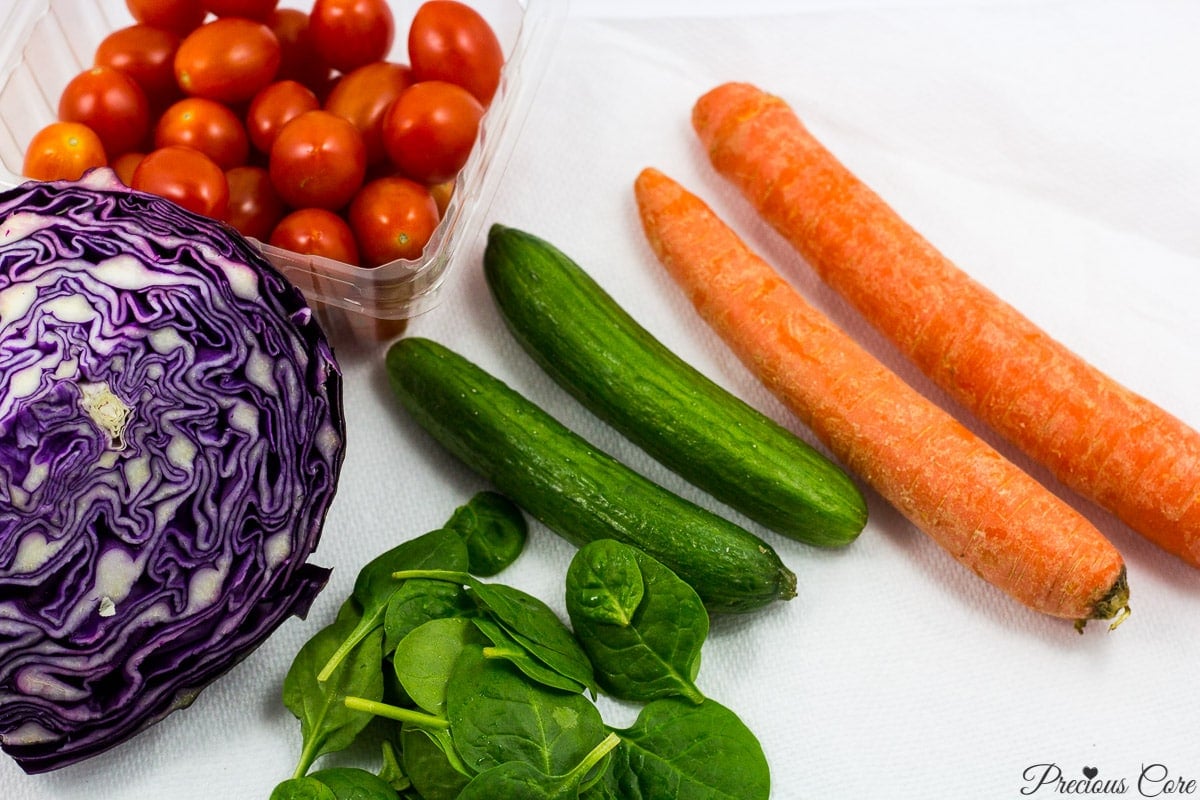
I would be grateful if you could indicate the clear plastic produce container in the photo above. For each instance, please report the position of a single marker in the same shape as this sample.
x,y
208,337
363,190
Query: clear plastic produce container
x,y
45,43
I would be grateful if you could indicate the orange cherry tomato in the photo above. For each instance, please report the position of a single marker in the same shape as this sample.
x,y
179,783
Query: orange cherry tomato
x,y
186,177
146,54
125,164
180,16
316,232
450,41
254,205
429,131
207,126
229,59
349,33
110,103
363,95
318,160
275,106
63,151
392,218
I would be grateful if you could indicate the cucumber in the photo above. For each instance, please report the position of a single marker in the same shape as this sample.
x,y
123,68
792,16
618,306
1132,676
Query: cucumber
x,y
576,490
596,351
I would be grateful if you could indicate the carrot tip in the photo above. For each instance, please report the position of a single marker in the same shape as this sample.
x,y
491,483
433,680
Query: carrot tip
x,y
1114,605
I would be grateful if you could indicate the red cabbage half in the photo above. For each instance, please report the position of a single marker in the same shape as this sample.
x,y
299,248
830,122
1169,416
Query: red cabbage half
x,y
171,435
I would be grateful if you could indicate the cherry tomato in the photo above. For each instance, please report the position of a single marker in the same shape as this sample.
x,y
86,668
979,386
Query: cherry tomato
x,y
349,33
316,232
63,151
442,192
298,58
125,164
363,96
228,59
207,126
180,16
392,218
254,205
449,41
318,160
111,104
147,55
249,9
430,129
275,106
186,177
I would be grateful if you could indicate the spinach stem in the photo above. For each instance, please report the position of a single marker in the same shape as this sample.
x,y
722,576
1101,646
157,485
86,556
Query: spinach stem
x,y
448,575
397,713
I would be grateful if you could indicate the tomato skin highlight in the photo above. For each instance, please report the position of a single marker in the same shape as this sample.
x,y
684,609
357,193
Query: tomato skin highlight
x,y
207,126
110,103
185,176
63,151
146,54
229,60
430,130
347,34
450,41
316,232
318,160
392,218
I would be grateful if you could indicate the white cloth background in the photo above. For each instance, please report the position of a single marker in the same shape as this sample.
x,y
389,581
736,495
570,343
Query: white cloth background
x,y
1053,150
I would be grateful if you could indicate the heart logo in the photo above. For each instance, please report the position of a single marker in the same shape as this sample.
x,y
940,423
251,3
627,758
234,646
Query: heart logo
x,y
1090,772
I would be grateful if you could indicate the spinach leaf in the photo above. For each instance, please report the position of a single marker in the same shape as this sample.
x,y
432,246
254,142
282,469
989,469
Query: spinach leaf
x,y
494,530
678,749
424,658
374,585
429,765
352,783
657,652
497,715
519,780
506,647
326,724
391,771
419,600
302,789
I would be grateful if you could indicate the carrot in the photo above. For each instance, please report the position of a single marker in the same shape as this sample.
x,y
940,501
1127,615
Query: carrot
x,y
980,507
1097,437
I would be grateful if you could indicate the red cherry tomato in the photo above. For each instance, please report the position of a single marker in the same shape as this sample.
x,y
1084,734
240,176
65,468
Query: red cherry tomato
x,y
249,9
180,16
111,104
186,177
125,164
275,106
207,126
316,232
228,59
318,160
63,151
392,218
254,205
147,55
449,41
363,96
429,131
298,59
349,33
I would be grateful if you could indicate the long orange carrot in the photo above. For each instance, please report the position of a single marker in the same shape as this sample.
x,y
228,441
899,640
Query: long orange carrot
x,y
1096,436
985,511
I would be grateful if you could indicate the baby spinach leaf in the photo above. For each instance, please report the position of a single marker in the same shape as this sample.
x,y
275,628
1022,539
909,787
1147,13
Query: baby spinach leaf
x,y
505,646
497,715
424,658
494,530
519,780
326,724
419,600
604,583
657,652
374,585
391,771
302,789
352,783
678,749
428,766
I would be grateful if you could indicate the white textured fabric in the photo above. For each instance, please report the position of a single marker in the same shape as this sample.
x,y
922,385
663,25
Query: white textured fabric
x,y
1053,150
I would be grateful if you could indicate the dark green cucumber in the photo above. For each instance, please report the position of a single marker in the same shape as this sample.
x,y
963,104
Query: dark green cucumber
x,y
578,491
596,351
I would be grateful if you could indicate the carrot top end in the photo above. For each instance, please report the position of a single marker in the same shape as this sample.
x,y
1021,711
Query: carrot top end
x,y
1114,605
